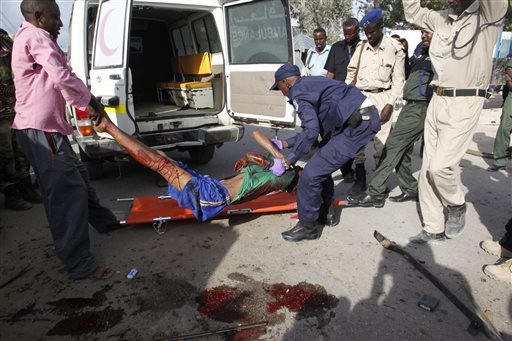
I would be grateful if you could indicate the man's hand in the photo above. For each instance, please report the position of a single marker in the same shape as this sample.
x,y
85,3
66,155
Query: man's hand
x,y
385,114
97,114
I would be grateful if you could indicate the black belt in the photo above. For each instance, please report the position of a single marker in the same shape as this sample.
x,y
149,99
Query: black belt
x,y
440,91
375,91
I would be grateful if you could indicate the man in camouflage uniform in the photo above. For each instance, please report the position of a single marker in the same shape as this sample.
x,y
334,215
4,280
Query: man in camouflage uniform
x,y
15,180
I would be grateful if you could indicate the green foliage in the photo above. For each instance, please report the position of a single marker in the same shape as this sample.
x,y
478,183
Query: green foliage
x,y
394,11
328,14
508,19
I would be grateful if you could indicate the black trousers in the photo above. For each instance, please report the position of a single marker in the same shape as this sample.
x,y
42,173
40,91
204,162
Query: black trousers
x,y
506,240
68,197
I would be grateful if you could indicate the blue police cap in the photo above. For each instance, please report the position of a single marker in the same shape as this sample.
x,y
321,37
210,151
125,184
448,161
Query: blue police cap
x,y
371,18
285,71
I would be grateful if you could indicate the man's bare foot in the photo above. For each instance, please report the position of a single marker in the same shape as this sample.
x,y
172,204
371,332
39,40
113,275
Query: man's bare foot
x,y
101,272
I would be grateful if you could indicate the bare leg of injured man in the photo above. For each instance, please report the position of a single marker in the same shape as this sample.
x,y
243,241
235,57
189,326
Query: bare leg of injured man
x,y
206,197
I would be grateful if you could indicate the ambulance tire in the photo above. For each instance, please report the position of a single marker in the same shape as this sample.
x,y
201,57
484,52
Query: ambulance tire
x,y
201,155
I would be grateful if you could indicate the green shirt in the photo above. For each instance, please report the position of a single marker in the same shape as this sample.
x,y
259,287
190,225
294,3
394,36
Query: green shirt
x,y
259,181
416,87
508,100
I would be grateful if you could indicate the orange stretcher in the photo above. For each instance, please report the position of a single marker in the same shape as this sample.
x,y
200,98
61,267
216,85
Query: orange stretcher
x,y
153,209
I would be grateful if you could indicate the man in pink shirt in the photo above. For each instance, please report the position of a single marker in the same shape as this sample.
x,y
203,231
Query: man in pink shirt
x,y
44,82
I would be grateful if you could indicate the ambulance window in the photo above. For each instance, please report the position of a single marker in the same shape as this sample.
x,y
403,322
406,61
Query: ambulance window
x,y
213,34
258,33
201,36
178,43
91,25
187,40
110,40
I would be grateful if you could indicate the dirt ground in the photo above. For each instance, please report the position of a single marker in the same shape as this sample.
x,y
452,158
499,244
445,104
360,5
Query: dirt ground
x,y
203,278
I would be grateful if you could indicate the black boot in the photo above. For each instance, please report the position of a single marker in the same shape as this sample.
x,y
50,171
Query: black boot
x,y
28,192
328,215
366,200
304,230
14,200
360,185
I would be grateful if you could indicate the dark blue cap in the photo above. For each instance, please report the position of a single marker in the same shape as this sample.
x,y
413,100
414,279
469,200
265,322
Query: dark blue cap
x,y
285,71
371,18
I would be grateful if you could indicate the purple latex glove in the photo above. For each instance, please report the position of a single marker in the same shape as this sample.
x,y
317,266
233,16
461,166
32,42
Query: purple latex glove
x,y
277,143
278,167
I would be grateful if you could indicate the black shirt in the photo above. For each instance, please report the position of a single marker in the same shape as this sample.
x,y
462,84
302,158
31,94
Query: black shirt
x,y
338,59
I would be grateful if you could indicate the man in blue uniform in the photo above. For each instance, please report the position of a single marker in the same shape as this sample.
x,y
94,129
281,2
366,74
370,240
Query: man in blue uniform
x,y
345,119
336,66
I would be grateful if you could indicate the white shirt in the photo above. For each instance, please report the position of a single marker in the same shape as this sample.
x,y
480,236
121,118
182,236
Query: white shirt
x,y
315,62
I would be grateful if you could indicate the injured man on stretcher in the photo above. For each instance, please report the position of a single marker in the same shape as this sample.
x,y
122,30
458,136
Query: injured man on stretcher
x,y
207,197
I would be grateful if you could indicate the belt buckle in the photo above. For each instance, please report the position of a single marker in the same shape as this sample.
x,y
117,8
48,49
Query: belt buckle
x,y
439,91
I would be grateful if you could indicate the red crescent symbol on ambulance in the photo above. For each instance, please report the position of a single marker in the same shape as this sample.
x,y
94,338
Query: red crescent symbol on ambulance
x,y
107,51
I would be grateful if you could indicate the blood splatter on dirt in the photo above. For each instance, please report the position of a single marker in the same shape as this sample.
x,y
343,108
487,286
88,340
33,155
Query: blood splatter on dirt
x,y
88,322
252,301
67,306
304,298
222,303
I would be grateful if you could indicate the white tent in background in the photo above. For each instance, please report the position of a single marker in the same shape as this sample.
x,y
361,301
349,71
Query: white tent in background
x,y
302,43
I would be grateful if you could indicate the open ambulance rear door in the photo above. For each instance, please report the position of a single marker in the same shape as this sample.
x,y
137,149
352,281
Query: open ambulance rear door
x,y
259,39
109,75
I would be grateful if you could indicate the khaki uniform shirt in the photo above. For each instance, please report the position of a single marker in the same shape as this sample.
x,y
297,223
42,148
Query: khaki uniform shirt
x,y
460,58
381,68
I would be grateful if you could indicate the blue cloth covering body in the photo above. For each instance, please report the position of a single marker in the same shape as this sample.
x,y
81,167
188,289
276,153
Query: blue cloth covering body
x,y
205,196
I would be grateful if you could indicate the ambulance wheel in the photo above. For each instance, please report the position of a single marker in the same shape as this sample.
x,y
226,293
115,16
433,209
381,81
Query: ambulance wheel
x,y
201,155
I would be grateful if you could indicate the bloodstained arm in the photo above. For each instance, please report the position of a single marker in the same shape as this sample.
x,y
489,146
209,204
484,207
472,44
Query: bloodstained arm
x,y
256,158
264,142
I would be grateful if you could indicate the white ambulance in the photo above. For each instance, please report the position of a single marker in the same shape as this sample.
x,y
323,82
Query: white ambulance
x,y
182,75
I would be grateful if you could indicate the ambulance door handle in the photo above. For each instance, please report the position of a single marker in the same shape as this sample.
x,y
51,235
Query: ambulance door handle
x,y
110,101
115,77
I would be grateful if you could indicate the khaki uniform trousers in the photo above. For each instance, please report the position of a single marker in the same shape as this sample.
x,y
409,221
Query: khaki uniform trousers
x,y
449,127
379,99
